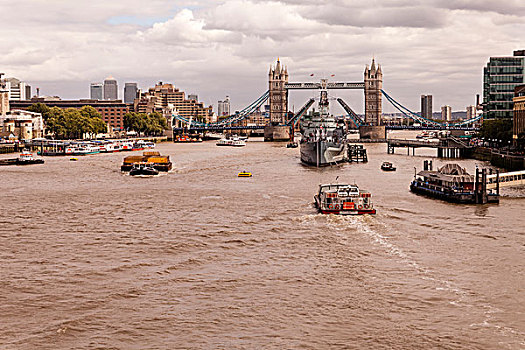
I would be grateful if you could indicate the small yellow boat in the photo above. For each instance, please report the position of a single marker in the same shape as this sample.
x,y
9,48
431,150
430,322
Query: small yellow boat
x,y
73,159
244,174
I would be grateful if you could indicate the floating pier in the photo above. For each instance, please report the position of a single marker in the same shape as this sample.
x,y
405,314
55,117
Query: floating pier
x,y
356,153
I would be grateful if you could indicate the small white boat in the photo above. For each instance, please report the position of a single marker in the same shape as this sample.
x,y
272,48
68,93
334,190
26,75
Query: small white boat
x,y
234,141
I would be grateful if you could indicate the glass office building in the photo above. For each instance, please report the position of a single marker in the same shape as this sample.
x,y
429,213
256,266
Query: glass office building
x,y
500,77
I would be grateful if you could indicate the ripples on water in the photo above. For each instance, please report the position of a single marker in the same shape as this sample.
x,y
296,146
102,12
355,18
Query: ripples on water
x,y
201,259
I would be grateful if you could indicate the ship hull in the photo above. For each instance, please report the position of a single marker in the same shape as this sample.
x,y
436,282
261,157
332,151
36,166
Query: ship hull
x,y
322,153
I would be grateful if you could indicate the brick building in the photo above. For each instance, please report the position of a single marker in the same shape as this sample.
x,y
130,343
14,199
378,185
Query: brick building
x,y
112,112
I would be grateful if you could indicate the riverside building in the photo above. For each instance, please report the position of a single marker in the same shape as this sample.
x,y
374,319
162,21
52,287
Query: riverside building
x,y
500,77
518,120
158,98
24,125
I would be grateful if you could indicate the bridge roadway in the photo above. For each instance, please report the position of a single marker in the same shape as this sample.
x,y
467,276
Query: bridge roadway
x,y
313,86
514,178
220,128
261,127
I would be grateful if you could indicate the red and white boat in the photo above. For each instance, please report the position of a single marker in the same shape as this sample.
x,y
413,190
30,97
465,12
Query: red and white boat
x,y
343,199
127,146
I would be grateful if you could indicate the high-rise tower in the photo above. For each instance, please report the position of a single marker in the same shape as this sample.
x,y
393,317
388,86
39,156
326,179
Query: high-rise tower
x,y
426,106
131,92
96,91
278,95
500,77
110,89
373,95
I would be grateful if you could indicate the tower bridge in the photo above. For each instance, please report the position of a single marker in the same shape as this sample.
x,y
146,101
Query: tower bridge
x,y
280,121
279,88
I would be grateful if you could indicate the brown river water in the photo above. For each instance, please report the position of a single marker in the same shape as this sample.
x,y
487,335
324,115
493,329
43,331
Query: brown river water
x,y
200,259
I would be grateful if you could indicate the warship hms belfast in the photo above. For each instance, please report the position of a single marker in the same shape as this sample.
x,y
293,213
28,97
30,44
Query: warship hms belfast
x,y
323,139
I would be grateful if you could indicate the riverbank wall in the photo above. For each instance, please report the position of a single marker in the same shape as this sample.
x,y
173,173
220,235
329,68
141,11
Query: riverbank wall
x,y
500,159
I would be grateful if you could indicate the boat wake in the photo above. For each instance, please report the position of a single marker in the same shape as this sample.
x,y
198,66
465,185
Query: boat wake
x,y
463,296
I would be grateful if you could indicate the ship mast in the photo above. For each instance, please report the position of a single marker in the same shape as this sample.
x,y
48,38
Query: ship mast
x,y
323,101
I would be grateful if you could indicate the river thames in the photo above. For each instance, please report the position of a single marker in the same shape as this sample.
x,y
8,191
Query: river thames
x,y
201,259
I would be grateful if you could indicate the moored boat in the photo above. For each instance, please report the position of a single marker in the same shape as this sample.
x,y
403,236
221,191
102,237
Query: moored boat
x,y
187,138
343,199
452,183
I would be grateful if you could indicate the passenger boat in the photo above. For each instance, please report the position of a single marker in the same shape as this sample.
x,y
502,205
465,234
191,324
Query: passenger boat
x,y
212,136
81,149
452,183
109,147
144,169
233,141
244,174
343,199
25,158
127,146
387,166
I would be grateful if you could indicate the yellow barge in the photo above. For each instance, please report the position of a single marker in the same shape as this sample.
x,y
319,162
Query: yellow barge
x,y
152,158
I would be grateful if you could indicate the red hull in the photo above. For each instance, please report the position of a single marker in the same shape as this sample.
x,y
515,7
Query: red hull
x,y
349,212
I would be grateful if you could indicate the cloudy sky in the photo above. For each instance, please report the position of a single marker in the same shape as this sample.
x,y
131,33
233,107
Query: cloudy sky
x,y
216,48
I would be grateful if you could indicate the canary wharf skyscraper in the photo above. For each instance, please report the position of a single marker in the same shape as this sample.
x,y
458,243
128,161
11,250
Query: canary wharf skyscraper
x,y
110,89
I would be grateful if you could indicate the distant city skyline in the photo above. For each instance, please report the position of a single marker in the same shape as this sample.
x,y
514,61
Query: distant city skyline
x,y
425,47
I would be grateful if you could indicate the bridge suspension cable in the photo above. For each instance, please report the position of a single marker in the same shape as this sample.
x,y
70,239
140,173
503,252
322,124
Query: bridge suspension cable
x,y
243,114
416,117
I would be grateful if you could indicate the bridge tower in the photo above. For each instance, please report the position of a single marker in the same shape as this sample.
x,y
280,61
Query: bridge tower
x,y
278,94
373,95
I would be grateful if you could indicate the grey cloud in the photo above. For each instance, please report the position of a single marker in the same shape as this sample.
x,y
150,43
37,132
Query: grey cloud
x,y
410,16
507,7
226,47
